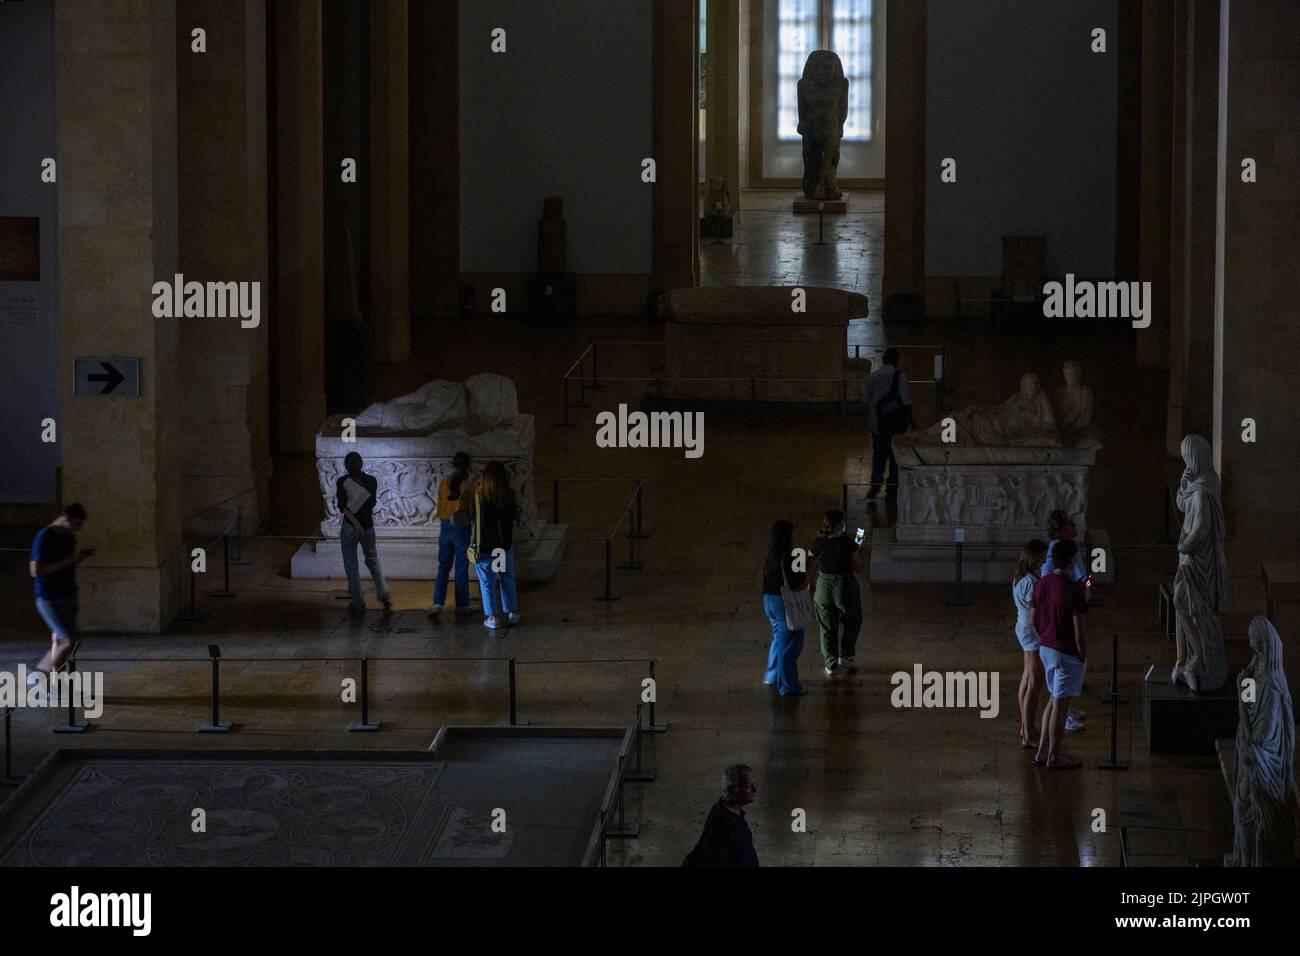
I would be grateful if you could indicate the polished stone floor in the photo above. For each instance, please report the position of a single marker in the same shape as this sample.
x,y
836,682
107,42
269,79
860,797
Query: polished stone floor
x,y
879,785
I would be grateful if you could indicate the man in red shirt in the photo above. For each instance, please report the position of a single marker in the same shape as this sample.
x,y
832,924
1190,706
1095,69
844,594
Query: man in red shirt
x,y
1057,607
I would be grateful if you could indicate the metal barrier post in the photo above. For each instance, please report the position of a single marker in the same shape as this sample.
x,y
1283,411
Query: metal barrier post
x,y
638,775
609,594
958,599
193,613
565,405
640,528
652,727
595,378
1113,762
239,560
225,592
555,501
72,726
844,498
216,725
364,724
623,831
582,383
9,748
631,563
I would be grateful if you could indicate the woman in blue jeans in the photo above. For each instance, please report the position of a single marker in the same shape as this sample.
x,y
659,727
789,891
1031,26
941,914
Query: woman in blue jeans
x,y
453,537
778,569
493,512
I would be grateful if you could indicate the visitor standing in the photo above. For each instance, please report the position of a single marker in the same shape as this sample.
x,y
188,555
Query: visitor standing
x,y
54,572
889,413
493,511
1061,527
453,536
1031,678
727,839
355,494
836,559
787,643
1058,608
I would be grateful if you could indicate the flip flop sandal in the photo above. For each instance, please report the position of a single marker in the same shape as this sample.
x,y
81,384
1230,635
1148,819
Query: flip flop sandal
x,y
1036,762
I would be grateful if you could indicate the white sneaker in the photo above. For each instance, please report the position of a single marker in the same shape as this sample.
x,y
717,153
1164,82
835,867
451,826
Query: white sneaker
x,y
1079,715
1072,726
490,624
847,664
512,618
435,610
831,667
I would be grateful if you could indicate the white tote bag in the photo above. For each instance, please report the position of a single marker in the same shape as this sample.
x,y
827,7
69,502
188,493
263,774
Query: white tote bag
x,y
798,607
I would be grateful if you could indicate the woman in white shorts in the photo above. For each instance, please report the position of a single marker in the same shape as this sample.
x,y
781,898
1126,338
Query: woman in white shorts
x,y
1031,678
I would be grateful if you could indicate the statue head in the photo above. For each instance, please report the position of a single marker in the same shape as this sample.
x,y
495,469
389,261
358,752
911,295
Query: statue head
x,y
824,68
1029,384
1197,456
1073,372
1266,644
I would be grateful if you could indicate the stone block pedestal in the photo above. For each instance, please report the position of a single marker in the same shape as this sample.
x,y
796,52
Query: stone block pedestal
x,y
1179,721
893,562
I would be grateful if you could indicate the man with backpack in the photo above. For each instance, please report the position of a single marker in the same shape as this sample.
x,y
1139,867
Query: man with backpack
x,y
889,407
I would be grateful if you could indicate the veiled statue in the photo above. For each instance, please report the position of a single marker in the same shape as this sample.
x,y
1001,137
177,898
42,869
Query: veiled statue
x,y
823,93
1201,582
1073,406
1263,804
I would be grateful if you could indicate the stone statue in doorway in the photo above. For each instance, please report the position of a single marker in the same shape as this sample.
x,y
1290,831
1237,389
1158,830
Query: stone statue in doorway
x,y
823,107
1201,582
552,240
1263,802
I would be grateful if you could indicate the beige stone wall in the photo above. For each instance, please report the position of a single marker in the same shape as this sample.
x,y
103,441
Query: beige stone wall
x,y
221,146
116,120
1256,372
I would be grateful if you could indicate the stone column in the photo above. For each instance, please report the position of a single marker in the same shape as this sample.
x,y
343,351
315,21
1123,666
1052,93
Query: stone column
x,y
1256,372
1157,160
222,197
722,138
1201,198
904,149
1128,139
435,159
1178,276
676,143
390,194
115,100
300,225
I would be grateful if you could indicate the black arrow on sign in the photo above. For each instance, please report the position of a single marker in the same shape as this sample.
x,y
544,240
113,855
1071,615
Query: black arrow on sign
x,y
112,379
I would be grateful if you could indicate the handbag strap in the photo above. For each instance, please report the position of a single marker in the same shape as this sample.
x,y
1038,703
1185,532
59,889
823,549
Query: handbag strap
x,y
478,521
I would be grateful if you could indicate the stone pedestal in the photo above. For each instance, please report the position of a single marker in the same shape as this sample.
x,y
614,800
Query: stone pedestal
x,y
894,562
1179,721
801,205
746,343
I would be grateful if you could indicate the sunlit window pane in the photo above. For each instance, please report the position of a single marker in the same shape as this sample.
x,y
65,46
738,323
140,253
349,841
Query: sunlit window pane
x,y
851,39
796,37
798,32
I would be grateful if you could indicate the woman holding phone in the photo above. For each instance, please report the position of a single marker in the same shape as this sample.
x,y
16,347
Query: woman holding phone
x,y
779,570
836,559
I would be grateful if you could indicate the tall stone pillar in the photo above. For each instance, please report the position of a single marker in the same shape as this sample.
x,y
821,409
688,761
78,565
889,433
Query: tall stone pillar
x,y
676,143
389,172
1178,277
300,225
1157,160
1256,373
722,101
1202,149
905,149
222,197
435,159
115,100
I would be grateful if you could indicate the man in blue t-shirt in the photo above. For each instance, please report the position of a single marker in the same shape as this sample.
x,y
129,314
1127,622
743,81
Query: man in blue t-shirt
x,y
54,571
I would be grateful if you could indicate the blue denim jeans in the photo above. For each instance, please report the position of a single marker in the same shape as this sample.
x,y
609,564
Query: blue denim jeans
x,y
488,581
783,655
452,542
349,539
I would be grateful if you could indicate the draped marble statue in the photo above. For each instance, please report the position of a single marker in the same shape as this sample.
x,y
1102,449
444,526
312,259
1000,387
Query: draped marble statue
x,y
823,94
1201,582
1263,805
1025,419
1073,403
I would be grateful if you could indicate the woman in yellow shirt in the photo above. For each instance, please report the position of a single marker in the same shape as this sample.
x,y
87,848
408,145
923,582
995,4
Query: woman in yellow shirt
x,y
453,538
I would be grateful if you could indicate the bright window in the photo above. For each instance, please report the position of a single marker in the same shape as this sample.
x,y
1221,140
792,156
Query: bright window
x,y
843,26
